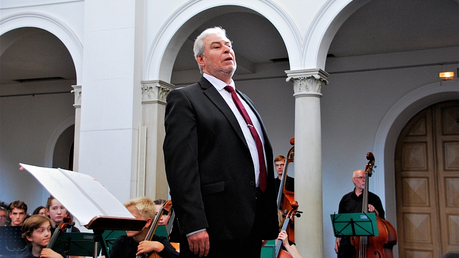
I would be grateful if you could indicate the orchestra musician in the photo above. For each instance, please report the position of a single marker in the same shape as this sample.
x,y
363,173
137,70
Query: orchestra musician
x,y
37,231
134,243
352,203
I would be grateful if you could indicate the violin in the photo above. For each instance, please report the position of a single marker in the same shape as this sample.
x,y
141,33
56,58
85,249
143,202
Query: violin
x,y
149,237
374,246
66,223
280,253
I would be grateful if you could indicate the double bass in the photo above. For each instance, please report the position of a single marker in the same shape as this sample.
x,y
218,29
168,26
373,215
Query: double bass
x,y
374,246
285,197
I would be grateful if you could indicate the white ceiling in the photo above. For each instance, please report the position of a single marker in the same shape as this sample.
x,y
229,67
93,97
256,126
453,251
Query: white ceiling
x,y
381,26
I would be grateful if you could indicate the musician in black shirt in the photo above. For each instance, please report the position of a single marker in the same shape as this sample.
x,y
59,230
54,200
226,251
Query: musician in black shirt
x,y
352,203
133,243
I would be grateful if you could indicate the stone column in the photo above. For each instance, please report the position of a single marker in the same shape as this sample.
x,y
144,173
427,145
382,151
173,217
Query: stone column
x,y
308,160
76,141
151,178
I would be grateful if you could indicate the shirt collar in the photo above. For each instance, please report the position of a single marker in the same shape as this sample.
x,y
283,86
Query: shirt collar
x,y
217,83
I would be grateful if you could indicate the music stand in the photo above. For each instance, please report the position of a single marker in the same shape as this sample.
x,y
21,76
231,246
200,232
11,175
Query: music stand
x,y
354,224
101,223
76,243
11,241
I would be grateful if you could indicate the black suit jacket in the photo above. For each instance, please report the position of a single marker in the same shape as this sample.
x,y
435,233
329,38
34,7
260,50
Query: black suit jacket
x,y
210,170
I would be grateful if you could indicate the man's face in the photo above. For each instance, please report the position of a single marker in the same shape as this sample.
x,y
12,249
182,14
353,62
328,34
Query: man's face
x,y
3,217
218,58
17,217
279,167
359,179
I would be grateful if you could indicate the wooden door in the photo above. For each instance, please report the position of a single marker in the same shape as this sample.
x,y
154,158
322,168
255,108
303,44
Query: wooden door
x,y
427,183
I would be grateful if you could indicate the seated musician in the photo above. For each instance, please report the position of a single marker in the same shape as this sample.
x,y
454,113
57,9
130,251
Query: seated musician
x,y
133,243
287,245
352,203
57,212
17,211
37,231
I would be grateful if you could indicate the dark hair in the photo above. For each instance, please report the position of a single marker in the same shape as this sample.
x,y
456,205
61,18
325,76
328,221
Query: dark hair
x,y
37,210
18,205
33,223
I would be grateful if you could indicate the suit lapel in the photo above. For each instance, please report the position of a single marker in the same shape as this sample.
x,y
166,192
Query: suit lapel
x,y
215,97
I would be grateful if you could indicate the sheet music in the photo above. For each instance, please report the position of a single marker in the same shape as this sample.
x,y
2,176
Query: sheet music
x,y
82,195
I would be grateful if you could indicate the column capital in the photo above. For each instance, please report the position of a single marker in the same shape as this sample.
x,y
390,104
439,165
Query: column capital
x,y
77,92
155,91
307,81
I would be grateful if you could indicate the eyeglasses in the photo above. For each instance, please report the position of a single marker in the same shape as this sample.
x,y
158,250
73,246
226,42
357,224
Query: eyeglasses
x,y
3,216
360,177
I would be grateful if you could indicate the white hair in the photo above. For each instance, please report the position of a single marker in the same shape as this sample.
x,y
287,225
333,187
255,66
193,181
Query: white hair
x,y
198,48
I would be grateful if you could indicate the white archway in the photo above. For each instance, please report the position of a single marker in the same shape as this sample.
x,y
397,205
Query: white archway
x,y
165,47
52,25
54,137
390,128
323,30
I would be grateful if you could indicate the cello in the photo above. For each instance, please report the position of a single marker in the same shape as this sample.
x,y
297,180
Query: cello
x,y
66,223
279,253
149,237
374,246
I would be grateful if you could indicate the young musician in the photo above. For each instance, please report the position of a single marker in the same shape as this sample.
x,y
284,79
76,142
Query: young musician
x,y
18,213
133,243
37,231
57,212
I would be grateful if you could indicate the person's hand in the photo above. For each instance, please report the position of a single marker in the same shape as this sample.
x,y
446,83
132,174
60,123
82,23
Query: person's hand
x,y
149,246
337,244
49,253
284,237
371,208
199,243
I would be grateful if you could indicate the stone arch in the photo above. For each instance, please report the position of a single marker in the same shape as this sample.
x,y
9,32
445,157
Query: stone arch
x,y
390,128
323,30
53,26
54,137
165,47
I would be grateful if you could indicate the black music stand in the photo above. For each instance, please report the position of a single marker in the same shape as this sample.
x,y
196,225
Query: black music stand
x,y
101,223
354,224
11,241
75,243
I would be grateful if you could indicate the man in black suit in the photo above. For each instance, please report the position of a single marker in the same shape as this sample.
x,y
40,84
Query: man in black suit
x,y
212,163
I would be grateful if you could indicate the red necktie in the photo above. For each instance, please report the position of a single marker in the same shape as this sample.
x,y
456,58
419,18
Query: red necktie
x,y
256,137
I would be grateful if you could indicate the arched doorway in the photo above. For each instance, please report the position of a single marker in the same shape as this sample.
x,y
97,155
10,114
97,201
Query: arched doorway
x,y
427,182
63,150
35,82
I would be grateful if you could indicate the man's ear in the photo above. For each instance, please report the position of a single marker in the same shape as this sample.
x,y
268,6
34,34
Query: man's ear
x,y
200,60
29,238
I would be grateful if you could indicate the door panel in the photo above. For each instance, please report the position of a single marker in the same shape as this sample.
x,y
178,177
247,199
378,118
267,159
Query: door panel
x,y
427,182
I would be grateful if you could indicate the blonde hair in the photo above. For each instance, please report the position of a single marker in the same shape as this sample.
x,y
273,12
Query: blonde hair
x,y
144,205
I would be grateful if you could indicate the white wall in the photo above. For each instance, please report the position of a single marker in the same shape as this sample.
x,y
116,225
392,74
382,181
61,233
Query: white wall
x,y
28,126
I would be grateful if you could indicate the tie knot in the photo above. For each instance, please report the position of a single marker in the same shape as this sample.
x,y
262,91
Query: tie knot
x,y
229,88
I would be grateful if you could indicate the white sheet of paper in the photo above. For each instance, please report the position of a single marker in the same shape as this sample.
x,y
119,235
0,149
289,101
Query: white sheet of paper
x,y
82,195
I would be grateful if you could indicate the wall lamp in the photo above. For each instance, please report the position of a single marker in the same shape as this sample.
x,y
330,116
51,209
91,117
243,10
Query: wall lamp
x,y
444,76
